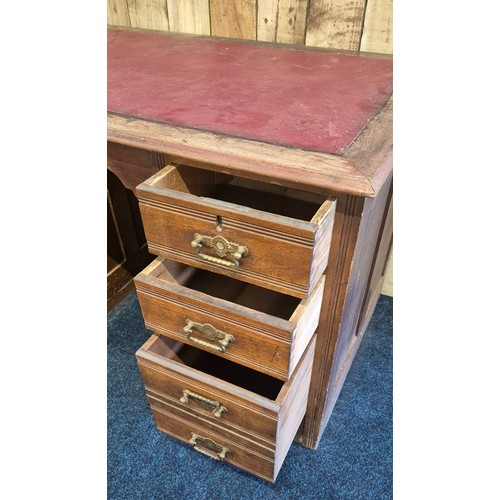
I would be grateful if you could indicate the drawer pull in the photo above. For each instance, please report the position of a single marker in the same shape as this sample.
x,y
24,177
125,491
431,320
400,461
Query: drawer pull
x,y
220,451
211,333
218,408
221,247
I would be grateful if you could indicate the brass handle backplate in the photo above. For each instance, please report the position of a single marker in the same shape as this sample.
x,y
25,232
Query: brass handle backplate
x,y
217,407
221,247
211,333
211,446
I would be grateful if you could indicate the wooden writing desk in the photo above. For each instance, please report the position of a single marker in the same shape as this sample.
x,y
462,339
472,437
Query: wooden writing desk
x,y
311,123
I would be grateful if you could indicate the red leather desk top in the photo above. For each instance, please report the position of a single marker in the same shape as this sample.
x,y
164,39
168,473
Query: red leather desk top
x,y
312,100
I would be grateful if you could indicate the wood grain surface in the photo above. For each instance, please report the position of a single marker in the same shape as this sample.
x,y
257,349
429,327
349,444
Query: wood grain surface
x,y
271,420
282,21
270,330
149,14
338,24
189,16
353,256
335,23
377,27
254,160
285,253
233,19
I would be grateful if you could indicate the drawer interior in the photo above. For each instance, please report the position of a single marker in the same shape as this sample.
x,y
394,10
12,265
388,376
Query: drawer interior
x,y
262,196
233,373
226,288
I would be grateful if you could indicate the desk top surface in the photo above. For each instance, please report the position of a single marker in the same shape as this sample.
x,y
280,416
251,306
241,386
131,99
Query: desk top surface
x,y
306,99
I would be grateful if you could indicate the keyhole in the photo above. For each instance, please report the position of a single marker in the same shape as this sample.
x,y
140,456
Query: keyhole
x,y
218,223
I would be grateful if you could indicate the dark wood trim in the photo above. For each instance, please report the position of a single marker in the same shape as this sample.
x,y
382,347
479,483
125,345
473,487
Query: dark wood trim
x,y
127,247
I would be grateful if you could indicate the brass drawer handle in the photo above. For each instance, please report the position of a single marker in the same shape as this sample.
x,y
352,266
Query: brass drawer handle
x,y
218,408
220,451
222,248
211,333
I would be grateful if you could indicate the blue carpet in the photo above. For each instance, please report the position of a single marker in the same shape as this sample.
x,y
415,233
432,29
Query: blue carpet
x,y
353,460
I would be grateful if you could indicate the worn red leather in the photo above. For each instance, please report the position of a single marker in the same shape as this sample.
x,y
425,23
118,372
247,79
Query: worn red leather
x,y
313,100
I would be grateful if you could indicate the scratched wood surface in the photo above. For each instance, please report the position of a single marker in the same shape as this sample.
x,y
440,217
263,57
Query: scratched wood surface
x,y
377,28
233,19
282,21
335,23
189,16
148,14
341,24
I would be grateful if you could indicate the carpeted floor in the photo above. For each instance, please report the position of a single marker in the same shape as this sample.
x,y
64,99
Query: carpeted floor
x,y
353,460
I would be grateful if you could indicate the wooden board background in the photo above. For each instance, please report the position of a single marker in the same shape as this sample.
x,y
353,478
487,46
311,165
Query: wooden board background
x,y
387,286
342,24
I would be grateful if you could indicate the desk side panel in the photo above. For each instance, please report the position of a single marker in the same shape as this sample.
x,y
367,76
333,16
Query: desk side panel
x,y
348,305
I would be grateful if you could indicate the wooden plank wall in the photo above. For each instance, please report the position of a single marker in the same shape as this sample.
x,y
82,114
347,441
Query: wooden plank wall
x,y
387,286
341,24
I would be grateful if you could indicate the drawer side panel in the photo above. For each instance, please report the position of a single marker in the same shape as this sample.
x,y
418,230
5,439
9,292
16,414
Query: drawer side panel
x,y
294,406
323,238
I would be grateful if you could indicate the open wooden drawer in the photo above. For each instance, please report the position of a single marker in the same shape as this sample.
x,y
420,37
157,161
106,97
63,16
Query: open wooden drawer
x,y
223,409
275,237
256,327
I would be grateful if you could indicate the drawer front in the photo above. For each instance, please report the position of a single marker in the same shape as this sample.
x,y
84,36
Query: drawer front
x,y
217,409
273,251
252,338
211,444
191,416
241,410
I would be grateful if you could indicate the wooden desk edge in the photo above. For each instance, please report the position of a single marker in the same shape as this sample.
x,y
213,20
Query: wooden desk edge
x,y
356,172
